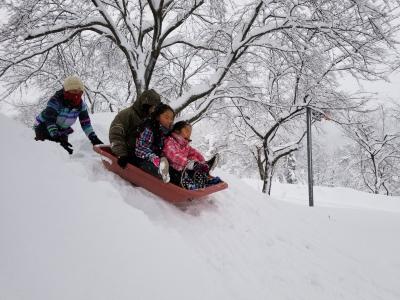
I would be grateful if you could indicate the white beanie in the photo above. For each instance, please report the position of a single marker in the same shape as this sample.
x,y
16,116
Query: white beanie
x,y
73,83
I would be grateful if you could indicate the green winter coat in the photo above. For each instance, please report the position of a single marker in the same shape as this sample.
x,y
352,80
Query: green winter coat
x,y
122,132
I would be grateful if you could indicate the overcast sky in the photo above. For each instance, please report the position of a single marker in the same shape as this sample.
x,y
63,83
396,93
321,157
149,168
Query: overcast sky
x,y
386,91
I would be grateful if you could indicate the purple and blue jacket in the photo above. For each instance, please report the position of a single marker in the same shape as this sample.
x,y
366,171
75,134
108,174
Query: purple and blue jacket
x,y
58,116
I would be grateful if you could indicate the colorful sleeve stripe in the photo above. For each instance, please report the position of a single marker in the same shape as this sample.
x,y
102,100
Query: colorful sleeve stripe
x,y
85,120
52,129
49,117
54,104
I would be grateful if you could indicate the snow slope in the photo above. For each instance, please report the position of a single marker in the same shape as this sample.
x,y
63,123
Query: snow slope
x,y
339,197
71,230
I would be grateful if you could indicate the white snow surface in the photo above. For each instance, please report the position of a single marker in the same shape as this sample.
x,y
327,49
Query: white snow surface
x,y
69,229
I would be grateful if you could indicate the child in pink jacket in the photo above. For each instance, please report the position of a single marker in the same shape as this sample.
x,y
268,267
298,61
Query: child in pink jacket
x,y
188,167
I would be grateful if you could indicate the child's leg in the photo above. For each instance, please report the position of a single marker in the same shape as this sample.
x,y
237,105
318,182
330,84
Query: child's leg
x,y
147,166
42,133
160,172
175,176
213,162
186,180
194,179
200,178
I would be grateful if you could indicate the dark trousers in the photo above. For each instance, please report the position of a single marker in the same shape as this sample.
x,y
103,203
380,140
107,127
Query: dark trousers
x,y
42,133
175,176
132,160
147,166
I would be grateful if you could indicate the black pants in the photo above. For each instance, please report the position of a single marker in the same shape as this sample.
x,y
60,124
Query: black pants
x,y
147,166
42,133
175,176
132,160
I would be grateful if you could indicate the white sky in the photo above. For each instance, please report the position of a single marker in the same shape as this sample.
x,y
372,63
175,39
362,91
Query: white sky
x,y
385,91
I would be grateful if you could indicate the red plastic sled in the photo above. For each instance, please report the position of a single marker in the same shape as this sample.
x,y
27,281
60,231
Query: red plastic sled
x,y
167,191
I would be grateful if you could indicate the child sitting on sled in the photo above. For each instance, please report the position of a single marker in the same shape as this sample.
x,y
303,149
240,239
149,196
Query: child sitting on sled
x,y
188,167
150,142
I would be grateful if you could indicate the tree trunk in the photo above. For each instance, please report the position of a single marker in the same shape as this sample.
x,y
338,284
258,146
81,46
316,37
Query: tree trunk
x,y
260,164
268,171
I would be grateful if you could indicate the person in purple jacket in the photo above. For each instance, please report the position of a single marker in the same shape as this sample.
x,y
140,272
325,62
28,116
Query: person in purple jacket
x,y
62,110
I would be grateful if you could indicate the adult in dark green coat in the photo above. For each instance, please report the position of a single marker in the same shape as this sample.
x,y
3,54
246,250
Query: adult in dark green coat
x,y
122,132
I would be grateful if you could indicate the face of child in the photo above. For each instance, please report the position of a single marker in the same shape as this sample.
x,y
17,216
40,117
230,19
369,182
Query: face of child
x,y
186,132
166,119
74,97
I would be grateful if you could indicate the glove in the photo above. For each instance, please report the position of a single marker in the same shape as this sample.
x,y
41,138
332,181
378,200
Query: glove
x,y
63,141
67,146
190,164
156,161
94,139
123,161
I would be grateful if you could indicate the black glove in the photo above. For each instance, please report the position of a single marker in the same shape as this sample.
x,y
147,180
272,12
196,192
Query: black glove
x,y
95,140
123,161
67,146
63,141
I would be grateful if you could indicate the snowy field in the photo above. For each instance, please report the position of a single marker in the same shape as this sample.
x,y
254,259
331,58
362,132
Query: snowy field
x,y
69,229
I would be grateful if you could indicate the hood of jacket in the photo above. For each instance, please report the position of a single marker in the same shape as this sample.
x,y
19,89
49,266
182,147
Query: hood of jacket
x,y
150,98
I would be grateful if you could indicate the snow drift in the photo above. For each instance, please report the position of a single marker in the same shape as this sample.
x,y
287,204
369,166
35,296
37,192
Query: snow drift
x,y
69,229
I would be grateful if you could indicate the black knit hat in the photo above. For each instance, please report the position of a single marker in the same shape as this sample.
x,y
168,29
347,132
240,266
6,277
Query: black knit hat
x,y
181,124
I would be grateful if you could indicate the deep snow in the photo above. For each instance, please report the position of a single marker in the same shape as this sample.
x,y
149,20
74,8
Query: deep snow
x,y
69,229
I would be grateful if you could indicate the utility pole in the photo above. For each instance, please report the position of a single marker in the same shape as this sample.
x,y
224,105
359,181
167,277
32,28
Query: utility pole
x,y
309,159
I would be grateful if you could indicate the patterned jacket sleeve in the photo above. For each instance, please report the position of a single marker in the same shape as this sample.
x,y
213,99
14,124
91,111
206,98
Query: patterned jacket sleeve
x,y
84,119
143,145
174,154
195,155
49,116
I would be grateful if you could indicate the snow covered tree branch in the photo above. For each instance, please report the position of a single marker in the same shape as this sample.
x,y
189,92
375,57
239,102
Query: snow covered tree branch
x,y
357,34
378,142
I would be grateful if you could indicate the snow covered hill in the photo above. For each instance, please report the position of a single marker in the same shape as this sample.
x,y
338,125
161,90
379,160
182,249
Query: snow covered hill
x,y
71,230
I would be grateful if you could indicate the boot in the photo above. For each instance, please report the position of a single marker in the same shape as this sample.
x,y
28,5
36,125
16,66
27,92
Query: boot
x,y
213,162
163,169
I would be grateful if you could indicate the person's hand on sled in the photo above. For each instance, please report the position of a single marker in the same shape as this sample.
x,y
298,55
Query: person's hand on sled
x,y
94,139
123,161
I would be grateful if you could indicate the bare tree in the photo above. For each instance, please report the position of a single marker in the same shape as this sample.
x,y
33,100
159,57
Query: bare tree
x,y
378,152
296,80
147,32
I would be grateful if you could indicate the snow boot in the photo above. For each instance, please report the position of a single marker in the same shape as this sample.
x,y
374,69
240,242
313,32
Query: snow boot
x,y
163,169
213,162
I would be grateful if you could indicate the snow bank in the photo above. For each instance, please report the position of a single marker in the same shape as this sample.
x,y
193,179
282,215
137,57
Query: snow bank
x,y
338,197
71,230
65,234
